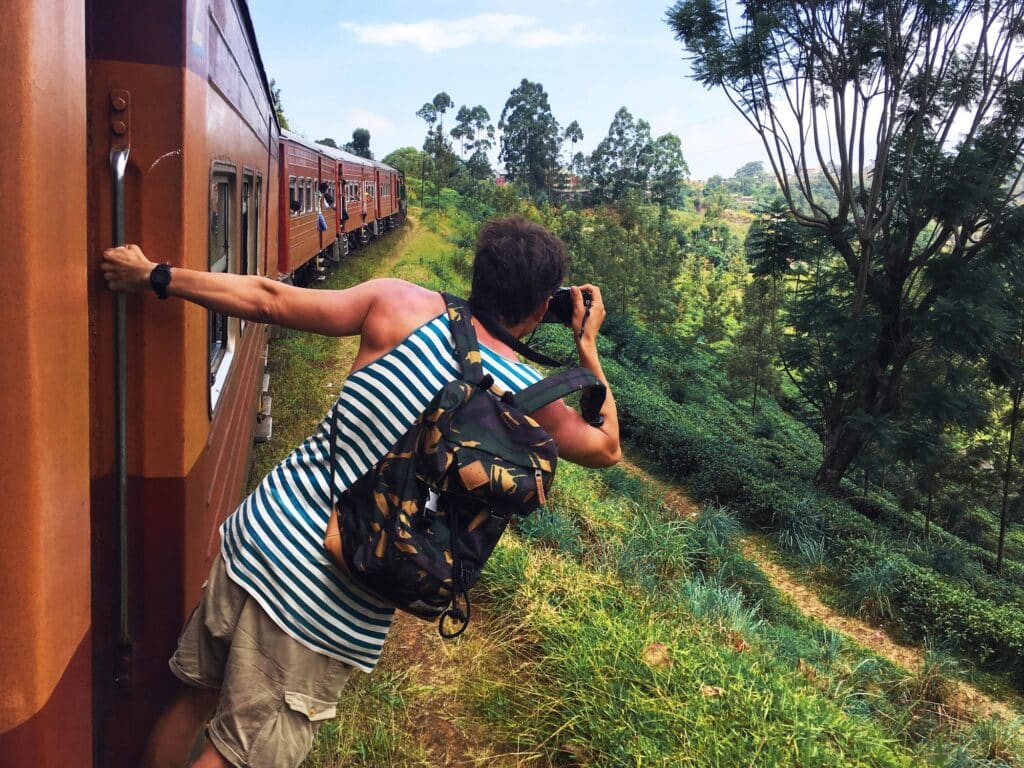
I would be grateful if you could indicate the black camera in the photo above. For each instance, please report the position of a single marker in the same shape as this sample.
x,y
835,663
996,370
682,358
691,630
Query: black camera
x,y
560,306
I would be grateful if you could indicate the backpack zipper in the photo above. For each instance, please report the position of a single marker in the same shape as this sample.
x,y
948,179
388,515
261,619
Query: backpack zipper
x,y
541,497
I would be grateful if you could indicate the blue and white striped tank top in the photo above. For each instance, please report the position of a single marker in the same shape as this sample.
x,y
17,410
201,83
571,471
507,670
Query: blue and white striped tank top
x,y
272,544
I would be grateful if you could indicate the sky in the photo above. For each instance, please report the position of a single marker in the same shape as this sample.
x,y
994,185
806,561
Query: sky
x,y
372,65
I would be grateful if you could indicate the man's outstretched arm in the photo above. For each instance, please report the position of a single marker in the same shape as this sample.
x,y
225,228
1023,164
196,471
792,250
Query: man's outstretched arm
x,y
250,297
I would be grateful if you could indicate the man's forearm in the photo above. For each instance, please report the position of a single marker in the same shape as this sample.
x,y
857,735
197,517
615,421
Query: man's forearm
x,y
249,297
590,360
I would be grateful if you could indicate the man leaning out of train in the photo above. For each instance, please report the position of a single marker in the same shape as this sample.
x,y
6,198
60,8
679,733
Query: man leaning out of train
x,y
279,630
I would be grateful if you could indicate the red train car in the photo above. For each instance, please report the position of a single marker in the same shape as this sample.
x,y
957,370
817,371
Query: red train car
x,y
306,171
130,436
389,203
358,213
159,124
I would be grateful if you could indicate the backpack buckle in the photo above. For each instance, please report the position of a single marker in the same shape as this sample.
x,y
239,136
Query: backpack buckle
x,y
429,512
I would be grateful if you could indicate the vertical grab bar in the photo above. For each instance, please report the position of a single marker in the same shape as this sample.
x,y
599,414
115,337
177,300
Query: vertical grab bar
x,y
118,167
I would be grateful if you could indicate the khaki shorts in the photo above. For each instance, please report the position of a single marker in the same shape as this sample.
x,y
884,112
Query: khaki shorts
x,y
274,691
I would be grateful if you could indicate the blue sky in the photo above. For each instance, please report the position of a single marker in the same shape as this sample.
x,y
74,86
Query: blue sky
x,y
339,67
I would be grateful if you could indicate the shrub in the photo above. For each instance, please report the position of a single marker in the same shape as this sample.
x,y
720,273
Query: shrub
x,y
872,588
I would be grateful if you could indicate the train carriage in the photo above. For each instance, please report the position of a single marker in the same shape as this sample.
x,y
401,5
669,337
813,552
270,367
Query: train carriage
x,y
389,208
304,167
131,437
356,219
126,453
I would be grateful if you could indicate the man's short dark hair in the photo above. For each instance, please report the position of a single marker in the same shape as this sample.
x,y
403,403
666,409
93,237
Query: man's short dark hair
x,y
517,265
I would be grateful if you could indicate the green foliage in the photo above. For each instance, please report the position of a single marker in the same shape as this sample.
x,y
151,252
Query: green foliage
x,y
360,144
530,138
628,161
552,528
656,550
275,97
872,588
414,163
911,270
630,252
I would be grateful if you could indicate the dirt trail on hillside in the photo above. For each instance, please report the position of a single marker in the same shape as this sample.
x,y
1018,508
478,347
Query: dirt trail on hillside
x,y
969,700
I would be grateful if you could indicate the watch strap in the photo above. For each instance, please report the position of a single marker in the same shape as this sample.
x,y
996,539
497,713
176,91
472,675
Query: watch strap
x,y
159,279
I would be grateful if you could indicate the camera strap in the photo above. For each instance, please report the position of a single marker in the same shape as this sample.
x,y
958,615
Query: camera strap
x,y
491,323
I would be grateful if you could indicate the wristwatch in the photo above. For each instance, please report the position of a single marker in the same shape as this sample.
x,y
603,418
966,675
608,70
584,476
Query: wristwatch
x,y
159,279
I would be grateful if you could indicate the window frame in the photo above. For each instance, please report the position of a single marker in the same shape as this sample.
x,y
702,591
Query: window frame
x,y
221,352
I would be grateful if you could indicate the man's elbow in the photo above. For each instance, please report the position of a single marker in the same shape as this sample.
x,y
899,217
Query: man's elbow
x,y
267,303
611,455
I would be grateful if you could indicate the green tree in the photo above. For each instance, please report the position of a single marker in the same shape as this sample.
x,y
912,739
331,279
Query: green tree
x,y
770,245
479,166
328,143
668,169
275,97
360,144
411,161
1006,369
530,136
463,130
572,134
631,251
483,129
619,163
872,97
436,143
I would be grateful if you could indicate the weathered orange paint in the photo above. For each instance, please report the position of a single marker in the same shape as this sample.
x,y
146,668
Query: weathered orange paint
x,y
44,366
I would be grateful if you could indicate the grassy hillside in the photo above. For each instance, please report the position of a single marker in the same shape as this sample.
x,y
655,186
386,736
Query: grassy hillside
x,y
616,628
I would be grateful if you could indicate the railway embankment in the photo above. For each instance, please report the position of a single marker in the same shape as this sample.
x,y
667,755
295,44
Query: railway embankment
x,y
628,624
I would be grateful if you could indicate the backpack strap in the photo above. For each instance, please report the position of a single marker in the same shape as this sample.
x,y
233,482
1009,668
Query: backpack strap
x,y
467,351
491,323
564,383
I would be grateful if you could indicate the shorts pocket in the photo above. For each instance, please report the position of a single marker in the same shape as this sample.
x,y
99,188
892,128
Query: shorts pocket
x,y
315,709
287,737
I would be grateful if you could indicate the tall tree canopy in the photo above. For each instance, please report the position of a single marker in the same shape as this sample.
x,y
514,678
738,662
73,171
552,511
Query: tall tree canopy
x,y
436,143
360,144
912,113
628,160
530,136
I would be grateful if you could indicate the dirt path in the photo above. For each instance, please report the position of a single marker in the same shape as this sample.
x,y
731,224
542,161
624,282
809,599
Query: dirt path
x,y
969,700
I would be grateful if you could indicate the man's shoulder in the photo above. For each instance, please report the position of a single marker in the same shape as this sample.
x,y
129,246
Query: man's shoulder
x,y
397,296
399,308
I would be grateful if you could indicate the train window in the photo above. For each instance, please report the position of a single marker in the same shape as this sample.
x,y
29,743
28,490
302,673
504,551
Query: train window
x,y
257,211
293,197
223,258
309,195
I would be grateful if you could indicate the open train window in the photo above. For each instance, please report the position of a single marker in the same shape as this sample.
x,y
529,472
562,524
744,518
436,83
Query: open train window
x,y
309,196
293,197
256,219
223,330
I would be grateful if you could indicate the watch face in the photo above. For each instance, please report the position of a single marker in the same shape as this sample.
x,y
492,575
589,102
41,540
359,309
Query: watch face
x,y
159,279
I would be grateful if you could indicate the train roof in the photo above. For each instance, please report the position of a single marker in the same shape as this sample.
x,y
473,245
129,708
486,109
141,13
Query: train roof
x,y
295,138
337,154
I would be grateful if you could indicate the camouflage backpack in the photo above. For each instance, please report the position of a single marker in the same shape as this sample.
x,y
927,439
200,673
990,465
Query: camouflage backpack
x,y
417,529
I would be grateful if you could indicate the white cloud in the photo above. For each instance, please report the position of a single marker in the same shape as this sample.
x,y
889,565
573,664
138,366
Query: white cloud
x,y
375,123
436,35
